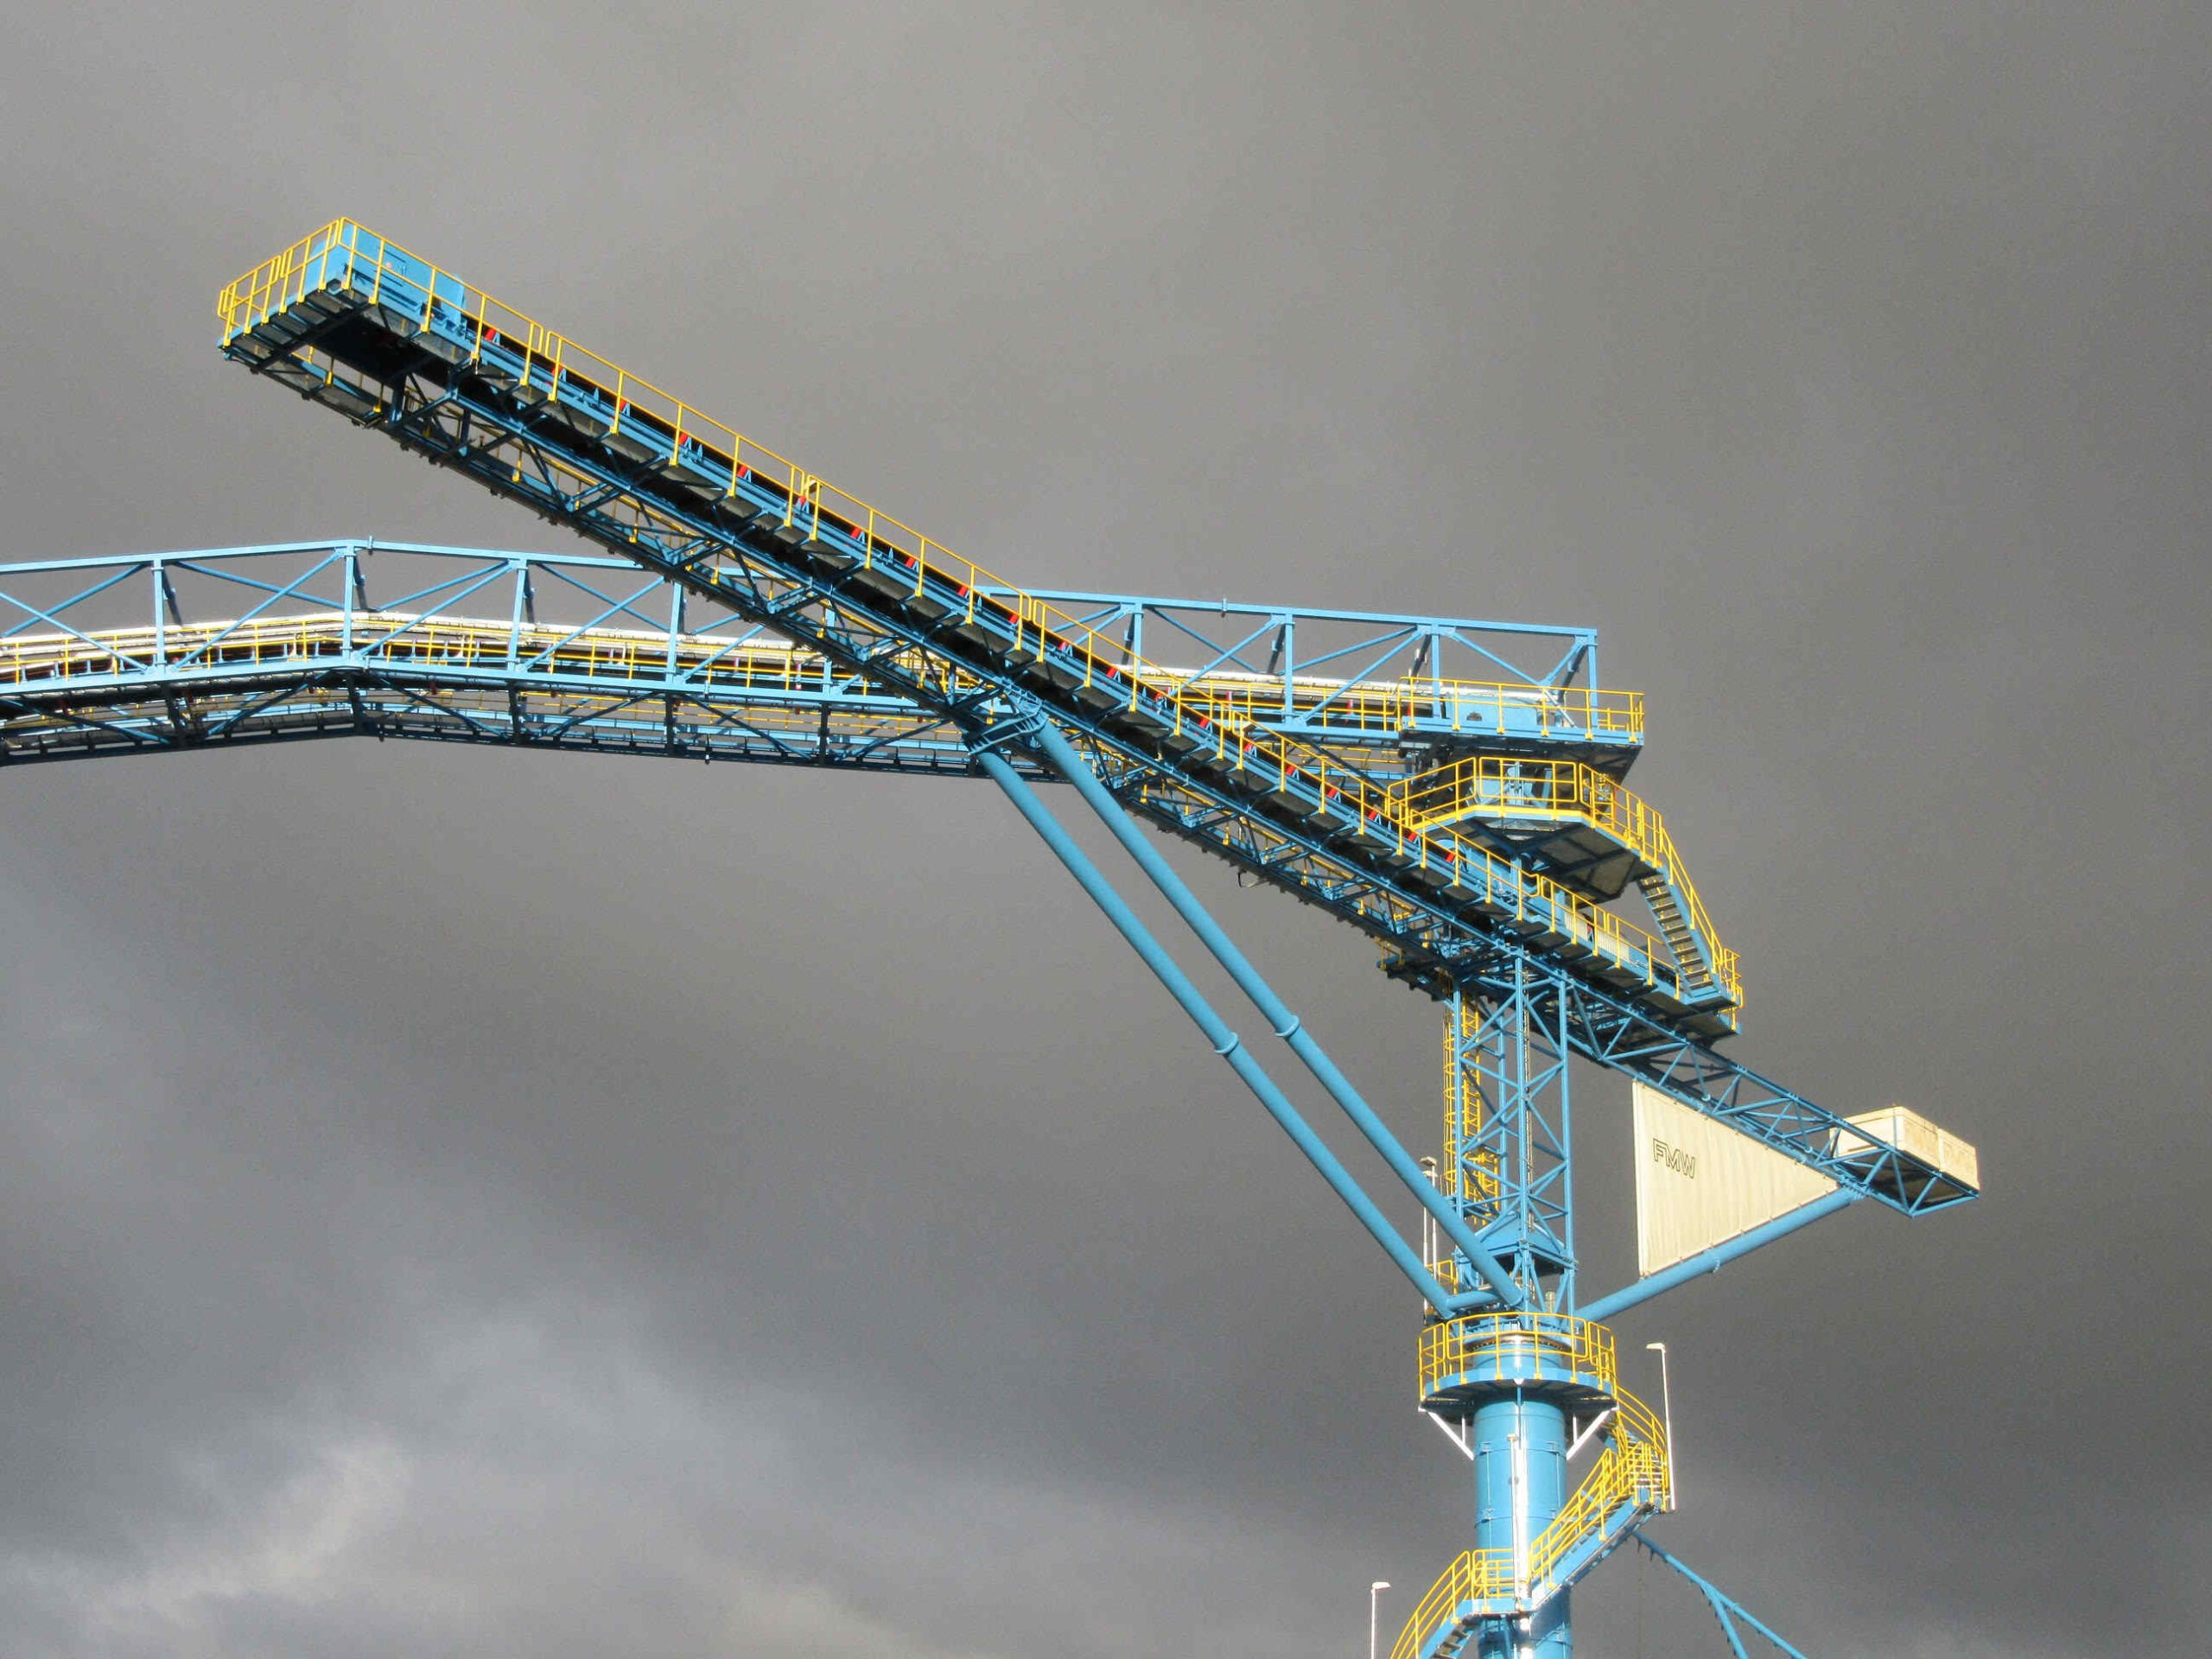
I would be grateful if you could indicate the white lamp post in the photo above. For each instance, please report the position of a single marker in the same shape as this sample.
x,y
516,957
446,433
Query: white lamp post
x,y
1666,1410
1427,1221
1373,1591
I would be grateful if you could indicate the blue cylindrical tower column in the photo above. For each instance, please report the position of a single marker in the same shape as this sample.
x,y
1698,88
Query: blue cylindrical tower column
x,y
1520,1447
1511,1385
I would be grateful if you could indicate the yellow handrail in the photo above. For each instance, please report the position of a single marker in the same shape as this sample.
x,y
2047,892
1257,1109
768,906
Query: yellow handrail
x,y
1557,791
1463,1122
1632,1476
758,665
1509,1340
1042,633
1383,706
1475,1575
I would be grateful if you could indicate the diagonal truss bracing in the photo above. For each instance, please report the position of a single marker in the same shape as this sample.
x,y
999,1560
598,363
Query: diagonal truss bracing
x,y
349,321
354,637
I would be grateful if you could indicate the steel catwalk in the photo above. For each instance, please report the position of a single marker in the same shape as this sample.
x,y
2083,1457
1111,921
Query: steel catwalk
x,y
1455,789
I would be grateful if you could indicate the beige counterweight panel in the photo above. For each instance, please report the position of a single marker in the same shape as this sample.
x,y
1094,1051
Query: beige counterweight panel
x,y
1699,1182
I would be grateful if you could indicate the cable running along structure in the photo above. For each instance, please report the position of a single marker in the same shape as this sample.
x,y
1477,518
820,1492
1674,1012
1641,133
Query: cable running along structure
x,y
1453,788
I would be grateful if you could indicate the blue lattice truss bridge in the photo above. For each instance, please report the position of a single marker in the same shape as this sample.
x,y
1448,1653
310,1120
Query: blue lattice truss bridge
x,y
1455,789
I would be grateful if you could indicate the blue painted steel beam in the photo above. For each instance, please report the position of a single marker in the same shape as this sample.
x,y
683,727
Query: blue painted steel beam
x,y
1263,640
1285,1023
151,703
1603,1027
1515,1175
1718,1256
1217,1031
335,575
519,455
408,363
1725,1608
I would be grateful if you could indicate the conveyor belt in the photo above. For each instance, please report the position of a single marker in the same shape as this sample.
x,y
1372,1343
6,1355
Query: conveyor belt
x,y
349,321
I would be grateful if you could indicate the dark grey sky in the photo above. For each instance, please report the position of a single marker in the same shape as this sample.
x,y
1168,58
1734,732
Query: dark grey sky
x,y
475,1204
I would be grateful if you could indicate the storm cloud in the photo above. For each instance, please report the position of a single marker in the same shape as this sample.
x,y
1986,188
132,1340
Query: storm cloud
x,y
477,1203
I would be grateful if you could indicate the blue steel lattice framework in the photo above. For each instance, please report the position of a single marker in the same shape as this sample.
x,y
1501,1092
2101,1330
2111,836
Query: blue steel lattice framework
x,y
1508,1145
1477,827
351,322
130,633
312,654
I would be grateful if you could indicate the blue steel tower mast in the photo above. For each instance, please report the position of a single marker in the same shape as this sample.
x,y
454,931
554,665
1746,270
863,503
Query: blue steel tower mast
x,y
1474,823
1507,1143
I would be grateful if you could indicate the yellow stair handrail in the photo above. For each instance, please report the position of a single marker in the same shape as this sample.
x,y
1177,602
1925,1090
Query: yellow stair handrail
x,y
1632,1474
1041,632
1512,787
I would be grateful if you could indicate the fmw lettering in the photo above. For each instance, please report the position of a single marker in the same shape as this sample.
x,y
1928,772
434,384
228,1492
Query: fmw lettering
x,y
1682,1163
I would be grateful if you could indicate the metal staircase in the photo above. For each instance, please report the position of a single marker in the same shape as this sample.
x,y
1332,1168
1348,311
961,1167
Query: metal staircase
x,y
1560,1364
1689,950
348,320
1475,826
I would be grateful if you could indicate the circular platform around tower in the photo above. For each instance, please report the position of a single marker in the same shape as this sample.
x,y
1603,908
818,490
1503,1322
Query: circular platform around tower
x,y
1557,1356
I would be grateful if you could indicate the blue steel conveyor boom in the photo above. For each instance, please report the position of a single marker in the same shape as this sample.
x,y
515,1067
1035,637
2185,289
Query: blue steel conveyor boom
x,y
1455,789
348,319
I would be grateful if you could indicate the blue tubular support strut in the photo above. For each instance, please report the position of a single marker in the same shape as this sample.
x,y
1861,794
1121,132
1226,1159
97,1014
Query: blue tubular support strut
x,y
1725,1608
1224,1040
1073,766
1719,1255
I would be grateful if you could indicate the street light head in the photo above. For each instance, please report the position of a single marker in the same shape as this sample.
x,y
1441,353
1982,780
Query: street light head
x,y
1380,1584
1657,1347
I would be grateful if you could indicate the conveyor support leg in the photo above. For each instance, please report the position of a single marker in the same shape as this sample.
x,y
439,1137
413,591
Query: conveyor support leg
x,y
1073,766
1224,1040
